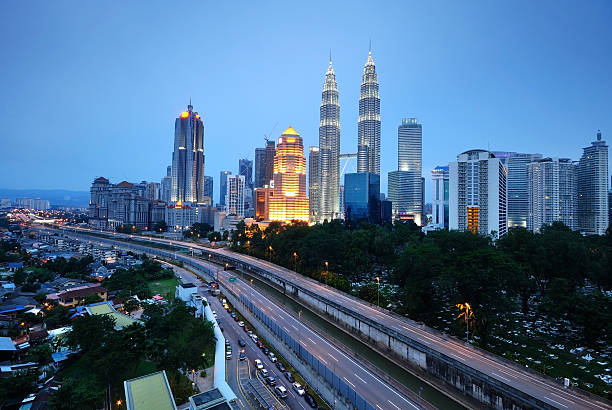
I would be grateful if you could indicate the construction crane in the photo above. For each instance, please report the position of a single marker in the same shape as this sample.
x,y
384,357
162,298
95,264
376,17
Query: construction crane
x,y
267,136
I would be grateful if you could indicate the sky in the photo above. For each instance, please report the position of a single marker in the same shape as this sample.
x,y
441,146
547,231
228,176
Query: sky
x,y
92,89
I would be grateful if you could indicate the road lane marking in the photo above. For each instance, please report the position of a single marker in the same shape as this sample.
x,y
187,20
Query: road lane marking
x,y
363,381
556,402
313,342
347,380
457,357
330,355
321,359
394,405
501,377
379,407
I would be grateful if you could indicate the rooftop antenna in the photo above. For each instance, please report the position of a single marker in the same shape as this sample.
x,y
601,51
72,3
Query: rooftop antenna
x,y
370,49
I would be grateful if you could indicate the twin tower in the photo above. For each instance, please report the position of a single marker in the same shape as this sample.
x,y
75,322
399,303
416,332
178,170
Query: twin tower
x,y
325,159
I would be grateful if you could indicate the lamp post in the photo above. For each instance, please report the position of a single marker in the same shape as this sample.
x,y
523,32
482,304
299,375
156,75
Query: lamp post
x,y
270,253
378,292
466,313
295,255
326,271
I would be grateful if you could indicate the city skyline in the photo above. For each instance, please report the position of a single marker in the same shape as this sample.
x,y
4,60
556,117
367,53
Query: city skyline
x,y
443,90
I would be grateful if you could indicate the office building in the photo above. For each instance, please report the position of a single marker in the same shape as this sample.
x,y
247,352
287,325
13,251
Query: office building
x,y
223,186
153,191
368,125
188,158
329,146
551,193
208,187
516,178
264,164
245,168
166,186
406,184
289,202
234,196
593,188
362,198
262,203
439,206
477,194
314,184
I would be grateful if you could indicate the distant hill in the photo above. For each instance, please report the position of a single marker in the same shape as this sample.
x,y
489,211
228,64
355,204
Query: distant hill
x,y
55,196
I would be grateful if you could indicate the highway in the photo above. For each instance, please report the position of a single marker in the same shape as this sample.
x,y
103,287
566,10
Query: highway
x,y
372,388
512,375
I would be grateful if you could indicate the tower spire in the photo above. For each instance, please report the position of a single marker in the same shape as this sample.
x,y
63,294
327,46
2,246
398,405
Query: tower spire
x,y
370,48
330,60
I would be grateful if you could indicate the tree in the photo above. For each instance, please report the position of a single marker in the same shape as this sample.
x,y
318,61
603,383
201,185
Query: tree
x,y
57,316
131,305
91,299
83,394
16,386
90,332
40,354
160,226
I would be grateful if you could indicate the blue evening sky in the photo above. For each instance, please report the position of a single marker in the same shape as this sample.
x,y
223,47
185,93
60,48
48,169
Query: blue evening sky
x,y
90,88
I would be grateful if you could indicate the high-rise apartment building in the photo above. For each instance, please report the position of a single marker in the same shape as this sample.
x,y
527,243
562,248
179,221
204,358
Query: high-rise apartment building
x,y
264,164
235,195
223,186
329,146
516,178
477,194
188,158
208,187
368,125
593,188
551,193
289,201
439,205
314,184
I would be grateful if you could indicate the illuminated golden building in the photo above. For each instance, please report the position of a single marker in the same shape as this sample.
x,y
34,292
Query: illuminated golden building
x,y
289,201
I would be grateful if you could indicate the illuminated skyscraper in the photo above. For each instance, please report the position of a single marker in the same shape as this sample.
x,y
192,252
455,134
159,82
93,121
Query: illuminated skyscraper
x,y
188,158
314,183
329,146
593,188
368,126
289,201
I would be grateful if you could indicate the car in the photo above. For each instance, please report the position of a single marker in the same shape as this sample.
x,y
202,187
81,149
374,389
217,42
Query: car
x,y
289,377
260,344
227,342
241,323
264,373
254,337
271,380
241,343
280,366
298,389
229,310
246,328
258,364
281,391
228,355
242,355
272,357
214,314
266,351
311,401
236,318
233,315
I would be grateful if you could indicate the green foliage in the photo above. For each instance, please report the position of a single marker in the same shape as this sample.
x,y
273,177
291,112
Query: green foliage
x,y
128,229
134,281
57,316
131,305
90,332
71,268
84,393
17,386
160,226
40,354
198,230
91,299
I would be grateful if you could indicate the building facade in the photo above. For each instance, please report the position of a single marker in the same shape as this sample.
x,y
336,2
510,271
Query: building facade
x,y
188,158
362,198
518,203
329,146
593,188
477,194
289,201
551,193
208,187
234,195
439,206
368,125
314,184
223,175
166,186
264,164
262,203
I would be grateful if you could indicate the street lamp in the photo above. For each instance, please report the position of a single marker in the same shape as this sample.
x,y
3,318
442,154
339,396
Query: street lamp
x,y
466,313
378,292
295,261
326,271
270,254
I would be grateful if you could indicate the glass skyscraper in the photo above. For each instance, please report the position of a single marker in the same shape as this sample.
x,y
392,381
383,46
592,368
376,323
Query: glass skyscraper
x,y
362,197
188,158
223,186
264,164
314,183
518,203
329,145
368,125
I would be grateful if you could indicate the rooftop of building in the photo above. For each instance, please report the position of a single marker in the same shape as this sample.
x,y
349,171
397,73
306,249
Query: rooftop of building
x,y
106,308
150,392
7,345
125,184
290,131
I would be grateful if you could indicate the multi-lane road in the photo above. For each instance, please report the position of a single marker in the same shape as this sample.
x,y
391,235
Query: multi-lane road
x,y
512,375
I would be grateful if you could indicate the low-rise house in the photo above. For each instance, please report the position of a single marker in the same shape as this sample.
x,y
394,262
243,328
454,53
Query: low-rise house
x,y
75,296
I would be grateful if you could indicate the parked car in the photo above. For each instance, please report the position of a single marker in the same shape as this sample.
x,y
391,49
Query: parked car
x,y
242,355
258,364
298,389
264,373
246,328
241,323
236,318
227,342
233,315
280,366
272,357
260,344
271,380
241,343
311,401
281,392
289,377
266,351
